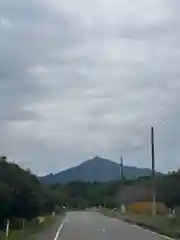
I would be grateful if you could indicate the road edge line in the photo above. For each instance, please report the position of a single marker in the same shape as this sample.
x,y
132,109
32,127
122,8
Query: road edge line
x,y
154,233
59,230
136,226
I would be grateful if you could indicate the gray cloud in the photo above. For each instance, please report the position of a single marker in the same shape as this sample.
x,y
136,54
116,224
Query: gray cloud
x,y
86,78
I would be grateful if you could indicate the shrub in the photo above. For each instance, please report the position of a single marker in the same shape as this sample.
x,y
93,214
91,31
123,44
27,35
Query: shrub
x,y
146,208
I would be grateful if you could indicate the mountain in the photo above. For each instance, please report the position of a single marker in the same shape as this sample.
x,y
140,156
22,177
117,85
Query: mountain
x,y
96,169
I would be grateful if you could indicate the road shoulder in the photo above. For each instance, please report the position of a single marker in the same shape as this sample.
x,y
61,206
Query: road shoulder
x,y
162,226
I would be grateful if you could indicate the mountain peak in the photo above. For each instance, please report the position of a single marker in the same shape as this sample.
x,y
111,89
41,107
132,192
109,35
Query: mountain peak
x,y
97,161
96,169
96,158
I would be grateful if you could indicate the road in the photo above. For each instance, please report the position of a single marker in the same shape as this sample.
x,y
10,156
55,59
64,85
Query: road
x,y
89,225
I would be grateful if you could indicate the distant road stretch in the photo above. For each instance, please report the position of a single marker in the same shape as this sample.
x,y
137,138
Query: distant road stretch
x,y
88,225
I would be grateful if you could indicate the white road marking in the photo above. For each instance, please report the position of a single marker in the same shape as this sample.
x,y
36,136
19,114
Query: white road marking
x,y
59,230
154,233
145,229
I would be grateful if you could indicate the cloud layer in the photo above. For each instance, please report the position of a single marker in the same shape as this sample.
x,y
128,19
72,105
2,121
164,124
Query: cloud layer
x,y
84,78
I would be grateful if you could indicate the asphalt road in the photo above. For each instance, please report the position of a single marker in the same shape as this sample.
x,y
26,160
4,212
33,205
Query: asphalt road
x,y
94,226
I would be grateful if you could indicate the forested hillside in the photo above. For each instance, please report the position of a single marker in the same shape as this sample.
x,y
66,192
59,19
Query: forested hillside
x,y
97,169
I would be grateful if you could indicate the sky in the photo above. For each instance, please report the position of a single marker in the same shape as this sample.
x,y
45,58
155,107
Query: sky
x,y
85,78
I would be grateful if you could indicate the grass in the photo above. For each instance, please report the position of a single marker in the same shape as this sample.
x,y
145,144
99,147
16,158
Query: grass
x,y
30,229
160,224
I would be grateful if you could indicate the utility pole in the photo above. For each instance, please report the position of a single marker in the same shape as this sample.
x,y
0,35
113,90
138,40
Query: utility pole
x,y
122,206
153,174
122,169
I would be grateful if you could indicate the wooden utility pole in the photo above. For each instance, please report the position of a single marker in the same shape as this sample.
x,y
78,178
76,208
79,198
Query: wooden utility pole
x,y
122,206
153,174
122,169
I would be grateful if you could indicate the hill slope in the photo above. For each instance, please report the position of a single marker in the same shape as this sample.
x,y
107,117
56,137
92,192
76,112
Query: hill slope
x,y
96,169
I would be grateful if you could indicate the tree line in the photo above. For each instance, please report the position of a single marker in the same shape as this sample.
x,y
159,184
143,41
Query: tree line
x,y
21,193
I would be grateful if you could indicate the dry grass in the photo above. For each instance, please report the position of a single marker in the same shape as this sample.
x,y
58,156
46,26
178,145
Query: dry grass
x,y
146,208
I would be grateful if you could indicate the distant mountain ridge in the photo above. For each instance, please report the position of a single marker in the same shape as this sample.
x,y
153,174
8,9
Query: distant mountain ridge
x,y
96,169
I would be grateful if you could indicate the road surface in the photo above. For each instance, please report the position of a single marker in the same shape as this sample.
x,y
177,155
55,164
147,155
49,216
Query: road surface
x,y
87,225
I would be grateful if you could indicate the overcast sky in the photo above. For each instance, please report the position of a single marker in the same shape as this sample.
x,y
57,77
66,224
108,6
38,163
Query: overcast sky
x,y
80,78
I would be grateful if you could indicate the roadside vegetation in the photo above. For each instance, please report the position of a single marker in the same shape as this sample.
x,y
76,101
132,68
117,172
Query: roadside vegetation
x,y
24,202
30,229
137,199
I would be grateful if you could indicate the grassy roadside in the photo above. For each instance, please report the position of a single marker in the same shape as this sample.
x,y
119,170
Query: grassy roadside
x,y
31,228
167,226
